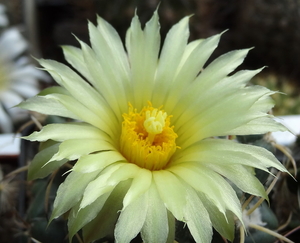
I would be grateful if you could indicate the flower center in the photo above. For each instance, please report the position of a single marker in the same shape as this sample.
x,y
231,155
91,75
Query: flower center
x,y
147,138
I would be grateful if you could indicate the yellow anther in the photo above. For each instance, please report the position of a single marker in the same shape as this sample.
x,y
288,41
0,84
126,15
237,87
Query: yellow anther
x,y
147,138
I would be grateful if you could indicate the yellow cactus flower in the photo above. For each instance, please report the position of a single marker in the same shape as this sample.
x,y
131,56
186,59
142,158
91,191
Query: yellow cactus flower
x,y
145,136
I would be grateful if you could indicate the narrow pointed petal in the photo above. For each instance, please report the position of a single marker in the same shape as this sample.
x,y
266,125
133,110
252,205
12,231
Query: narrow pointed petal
x,y
78,218
176,39
78,88
140,184
124,172
152,48
111,57
75,148
171,192
156,226
202,97
206,181
131,220
224,224
44,105
70,192
135,44
195,56
242,177
143,48
107,181
74,56
112,92
108,46
197,218
109,212
260,125
114,44
220,151
83,112
208,125
221,67
98,161
99,186
38,169
62,132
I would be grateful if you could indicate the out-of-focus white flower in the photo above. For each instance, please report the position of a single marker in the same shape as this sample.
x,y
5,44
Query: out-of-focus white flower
x,y
3,17
18,77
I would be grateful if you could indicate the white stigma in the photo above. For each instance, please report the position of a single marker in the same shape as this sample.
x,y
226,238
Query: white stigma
x,y
155,121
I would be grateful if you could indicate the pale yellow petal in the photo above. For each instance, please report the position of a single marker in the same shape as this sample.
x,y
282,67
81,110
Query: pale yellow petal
x,y
194,57
84,113
131,219
97,161
156,227
143,48
113,94
220,151
44,105
79,217
197,218
111,57
176,39
98,187
171,191
140,184
78,88
75,148
208,182
66,197
62,132
224,224
110,212
74,56
109,40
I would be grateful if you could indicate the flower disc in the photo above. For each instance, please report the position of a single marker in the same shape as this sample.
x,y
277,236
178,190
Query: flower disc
x,y
147,139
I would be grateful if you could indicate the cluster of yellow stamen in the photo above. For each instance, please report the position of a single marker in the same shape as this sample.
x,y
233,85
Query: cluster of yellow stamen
x,y
147,138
